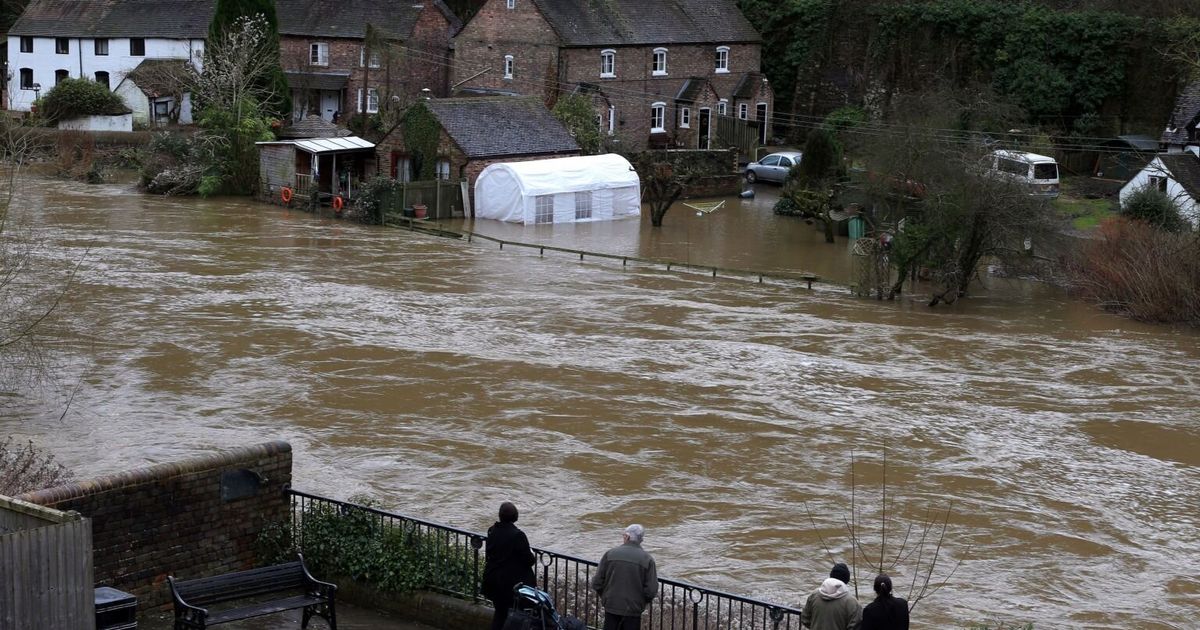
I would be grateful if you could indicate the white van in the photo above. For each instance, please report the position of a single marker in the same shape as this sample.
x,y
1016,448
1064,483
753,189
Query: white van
x,y
1038,172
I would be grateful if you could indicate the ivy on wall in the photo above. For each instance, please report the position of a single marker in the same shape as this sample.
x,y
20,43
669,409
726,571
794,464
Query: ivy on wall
x,y
421,133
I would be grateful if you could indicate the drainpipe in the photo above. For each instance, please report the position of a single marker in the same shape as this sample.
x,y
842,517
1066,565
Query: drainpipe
x,y
79,53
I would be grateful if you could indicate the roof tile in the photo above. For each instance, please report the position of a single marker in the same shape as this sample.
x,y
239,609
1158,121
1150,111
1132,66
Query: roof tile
x,y
501,126
641,22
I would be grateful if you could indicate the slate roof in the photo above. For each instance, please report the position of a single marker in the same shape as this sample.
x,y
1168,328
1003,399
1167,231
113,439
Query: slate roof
x,y
642,22
313,127
1187,110
168,19
156,77
349,18
690,89
1185,169
499,126
748,86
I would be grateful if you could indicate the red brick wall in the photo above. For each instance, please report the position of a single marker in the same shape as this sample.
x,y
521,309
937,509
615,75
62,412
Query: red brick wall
x,y
169,519
497,31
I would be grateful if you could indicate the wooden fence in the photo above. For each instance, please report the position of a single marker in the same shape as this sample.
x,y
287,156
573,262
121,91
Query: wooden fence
x,y
45,568
738,134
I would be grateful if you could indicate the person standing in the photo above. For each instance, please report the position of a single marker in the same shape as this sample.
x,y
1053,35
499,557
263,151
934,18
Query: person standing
x,y
832,607
508,561
626,580
886,612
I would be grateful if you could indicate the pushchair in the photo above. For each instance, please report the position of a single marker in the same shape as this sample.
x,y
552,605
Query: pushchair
x,y
533,609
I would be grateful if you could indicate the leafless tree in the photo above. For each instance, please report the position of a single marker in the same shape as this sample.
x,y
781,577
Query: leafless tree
x,y
25,468
234,67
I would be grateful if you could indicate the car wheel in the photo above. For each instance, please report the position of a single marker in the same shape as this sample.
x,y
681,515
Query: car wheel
x,y
751,177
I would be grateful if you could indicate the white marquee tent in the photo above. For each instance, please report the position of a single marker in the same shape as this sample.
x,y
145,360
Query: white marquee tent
x,y
562,190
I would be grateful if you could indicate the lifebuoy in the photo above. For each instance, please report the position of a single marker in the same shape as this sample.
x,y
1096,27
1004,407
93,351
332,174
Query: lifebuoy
x,y
338,203
286,194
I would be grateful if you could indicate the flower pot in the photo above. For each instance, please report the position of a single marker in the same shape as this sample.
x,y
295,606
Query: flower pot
x,y
419,211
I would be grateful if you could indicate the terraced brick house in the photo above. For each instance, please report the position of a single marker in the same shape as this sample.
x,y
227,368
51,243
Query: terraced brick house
x,y
659,72
100,40
333,68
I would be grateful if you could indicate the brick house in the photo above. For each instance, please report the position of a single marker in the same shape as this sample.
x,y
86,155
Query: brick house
x,y
474,133
324,55
658,71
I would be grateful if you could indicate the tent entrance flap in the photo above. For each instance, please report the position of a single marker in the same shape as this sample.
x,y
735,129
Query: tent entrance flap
x,y
562,190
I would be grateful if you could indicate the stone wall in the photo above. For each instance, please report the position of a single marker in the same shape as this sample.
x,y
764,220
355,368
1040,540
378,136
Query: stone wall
x,y
193,518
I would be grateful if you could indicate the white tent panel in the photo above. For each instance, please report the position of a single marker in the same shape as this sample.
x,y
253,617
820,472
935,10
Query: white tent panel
x,y
508,191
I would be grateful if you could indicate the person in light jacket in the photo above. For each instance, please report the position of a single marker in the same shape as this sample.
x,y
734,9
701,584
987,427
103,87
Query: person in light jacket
x,y
832,607
508,561
626,580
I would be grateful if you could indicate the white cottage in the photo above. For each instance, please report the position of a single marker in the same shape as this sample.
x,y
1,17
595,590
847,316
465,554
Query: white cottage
x,y
1176,174
100,40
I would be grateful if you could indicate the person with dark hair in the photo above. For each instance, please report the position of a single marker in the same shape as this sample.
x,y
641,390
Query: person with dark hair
x,y
886,612
832,607
508,561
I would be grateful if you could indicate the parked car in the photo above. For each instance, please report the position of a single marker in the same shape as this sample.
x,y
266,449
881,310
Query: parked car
x,y
772,168
1037,173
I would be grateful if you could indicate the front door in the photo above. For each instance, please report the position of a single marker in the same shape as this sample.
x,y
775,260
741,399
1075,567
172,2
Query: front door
x,y
329,104
705,122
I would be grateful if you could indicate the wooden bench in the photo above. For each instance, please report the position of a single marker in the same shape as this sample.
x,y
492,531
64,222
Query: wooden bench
x,y
269,590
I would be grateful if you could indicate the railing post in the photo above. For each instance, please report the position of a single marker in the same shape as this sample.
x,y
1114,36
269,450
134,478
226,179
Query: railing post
x,y
477,543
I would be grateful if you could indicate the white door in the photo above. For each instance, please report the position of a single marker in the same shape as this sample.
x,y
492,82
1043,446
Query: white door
x,y
329,104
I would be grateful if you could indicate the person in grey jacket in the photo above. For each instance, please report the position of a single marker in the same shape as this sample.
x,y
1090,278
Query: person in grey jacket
x,y
626,580
832,607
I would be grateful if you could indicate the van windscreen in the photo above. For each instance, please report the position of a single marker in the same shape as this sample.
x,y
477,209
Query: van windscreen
x,y
1045,171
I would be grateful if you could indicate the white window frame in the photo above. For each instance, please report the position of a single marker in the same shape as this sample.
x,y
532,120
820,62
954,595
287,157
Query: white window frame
x,y
608,58
583,210
509,62
685,117
612,119
744,111
722,60
100,47
363,59
543,209
372,100
657,69
442,169
511,4
723,107
26,39
318,54
658,117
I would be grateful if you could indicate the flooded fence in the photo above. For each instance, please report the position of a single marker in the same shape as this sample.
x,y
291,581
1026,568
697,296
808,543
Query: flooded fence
x,y
441,199
450,560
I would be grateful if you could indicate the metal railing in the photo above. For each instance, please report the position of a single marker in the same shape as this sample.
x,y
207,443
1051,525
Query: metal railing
x,y
453,559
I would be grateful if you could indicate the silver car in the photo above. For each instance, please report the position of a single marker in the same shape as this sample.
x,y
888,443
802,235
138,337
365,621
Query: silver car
x,y
772,168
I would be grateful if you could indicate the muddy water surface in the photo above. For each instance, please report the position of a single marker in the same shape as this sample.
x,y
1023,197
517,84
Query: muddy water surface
x,y
442,377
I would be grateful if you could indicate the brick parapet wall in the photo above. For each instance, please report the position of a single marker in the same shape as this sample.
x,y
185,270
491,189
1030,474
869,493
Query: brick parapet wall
x,y
170,519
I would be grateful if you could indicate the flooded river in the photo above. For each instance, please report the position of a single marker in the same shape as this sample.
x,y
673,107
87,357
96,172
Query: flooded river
x,y
442,377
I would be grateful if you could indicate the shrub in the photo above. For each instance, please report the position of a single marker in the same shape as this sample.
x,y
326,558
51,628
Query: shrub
x,y
375,197
25,468
1155,207
80,97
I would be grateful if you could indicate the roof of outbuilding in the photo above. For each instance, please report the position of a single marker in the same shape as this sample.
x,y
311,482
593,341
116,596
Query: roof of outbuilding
x,y
167,19
349,18
1187,110
157,77
642,22
1185,169
501,126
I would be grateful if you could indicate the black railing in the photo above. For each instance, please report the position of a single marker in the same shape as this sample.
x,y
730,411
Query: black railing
x,y
452,563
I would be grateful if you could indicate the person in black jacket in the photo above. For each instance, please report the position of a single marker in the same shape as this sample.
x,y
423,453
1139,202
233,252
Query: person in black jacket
x,y
886,612
508,562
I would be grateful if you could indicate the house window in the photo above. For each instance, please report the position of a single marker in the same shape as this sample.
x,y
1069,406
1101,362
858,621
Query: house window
x,y
685,117
26,78
137,47
364,59
722,107
612,119
543,209
508,66
659,68
657,117
743,111
608,64
62,45
722,63
318,54
102,47
583,205
161,109
1158,182
61,75
401,167
102,79
372,100
512,4
443,169
26,44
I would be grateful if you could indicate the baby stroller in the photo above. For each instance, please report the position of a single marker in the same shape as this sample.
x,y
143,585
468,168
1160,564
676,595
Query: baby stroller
x,y
534,610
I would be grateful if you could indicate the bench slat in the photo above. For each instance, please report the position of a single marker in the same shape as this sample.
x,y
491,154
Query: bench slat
x,y
265,608
251,583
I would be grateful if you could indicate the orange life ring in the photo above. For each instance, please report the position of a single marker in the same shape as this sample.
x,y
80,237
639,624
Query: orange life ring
x,y
338,203
286,194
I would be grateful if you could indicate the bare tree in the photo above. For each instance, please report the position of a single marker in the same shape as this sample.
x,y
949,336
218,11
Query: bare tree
x,y
25,468
234,67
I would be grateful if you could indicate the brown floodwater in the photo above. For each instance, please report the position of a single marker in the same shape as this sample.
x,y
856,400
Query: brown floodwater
x,y
442,377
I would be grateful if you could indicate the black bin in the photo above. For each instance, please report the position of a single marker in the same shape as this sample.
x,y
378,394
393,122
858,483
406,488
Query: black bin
x,y
115,610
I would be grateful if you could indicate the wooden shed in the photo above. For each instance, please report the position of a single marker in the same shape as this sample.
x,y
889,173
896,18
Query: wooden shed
x,y
326,167
45,567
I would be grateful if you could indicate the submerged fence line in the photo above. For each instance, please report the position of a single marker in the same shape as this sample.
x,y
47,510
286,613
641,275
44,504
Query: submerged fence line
x,y
451,560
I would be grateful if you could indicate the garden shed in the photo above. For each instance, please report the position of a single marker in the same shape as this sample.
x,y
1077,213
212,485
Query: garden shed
x,y
562,190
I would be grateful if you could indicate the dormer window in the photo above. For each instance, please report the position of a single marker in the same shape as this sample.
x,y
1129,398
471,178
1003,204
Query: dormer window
x,y
608,64
722,60
659,66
